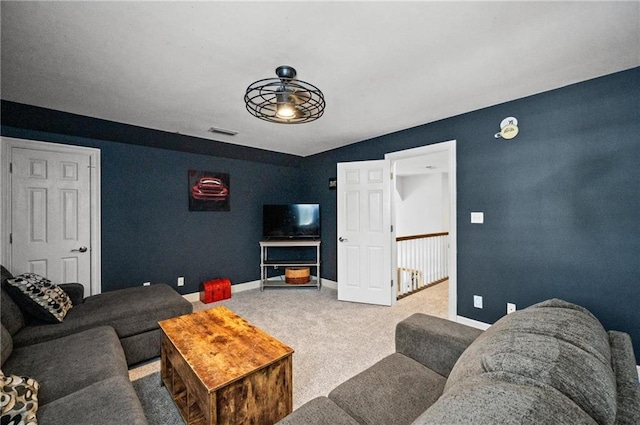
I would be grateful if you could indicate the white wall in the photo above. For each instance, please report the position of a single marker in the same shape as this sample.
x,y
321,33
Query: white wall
x,y
422,204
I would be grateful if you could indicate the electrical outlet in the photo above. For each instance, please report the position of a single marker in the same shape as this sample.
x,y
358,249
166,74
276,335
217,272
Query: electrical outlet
x,y
181,281
146,284
511,307
477,217
477,301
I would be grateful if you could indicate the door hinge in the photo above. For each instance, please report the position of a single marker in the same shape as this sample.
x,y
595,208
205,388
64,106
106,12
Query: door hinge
x,y
392,228
392,175
10,167
10,238
392,283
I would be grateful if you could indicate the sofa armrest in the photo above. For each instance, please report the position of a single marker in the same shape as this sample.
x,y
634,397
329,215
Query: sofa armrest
x,y
623,362
436,343
75,292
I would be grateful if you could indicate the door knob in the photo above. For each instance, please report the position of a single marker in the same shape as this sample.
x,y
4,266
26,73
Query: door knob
x,y
341,239
81,249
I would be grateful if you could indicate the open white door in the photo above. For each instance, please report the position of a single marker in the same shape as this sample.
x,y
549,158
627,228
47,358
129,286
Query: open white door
x,y
364,232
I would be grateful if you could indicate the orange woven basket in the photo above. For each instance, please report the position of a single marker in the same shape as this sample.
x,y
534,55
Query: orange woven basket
x,y
297,275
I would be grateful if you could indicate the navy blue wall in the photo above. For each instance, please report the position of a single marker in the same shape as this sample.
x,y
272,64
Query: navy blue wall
x,y
148,233
561,201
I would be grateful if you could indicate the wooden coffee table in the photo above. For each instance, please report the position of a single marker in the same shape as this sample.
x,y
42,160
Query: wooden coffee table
x,y
220,369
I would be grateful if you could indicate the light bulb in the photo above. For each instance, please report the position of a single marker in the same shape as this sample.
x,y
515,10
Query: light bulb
x,y
285,110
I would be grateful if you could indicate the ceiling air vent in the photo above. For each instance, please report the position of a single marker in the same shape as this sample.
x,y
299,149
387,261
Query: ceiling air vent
x,y
224,131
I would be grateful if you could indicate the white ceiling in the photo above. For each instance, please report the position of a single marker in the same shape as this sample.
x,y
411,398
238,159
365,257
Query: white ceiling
x,y
383,66
433,163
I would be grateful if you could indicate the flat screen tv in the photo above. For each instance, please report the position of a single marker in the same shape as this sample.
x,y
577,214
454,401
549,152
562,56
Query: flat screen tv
x,y
291,221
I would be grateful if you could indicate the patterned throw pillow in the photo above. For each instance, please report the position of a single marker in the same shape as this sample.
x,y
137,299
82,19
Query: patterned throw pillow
x,y
18,400
39,297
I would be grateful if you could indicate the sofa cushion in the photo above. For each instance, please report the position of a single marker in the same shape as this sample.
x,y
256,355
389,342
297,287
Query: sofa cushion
x,y
129,311
18,399
4,274
67,364
319,411
152,304
111,401
39,297
6,344
447,341
142,346
503,398
554,343
396,390
11,316
75,291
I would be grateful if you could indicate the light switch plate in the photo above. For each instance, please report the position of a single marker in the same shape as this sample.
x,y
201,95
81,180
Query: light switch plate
x,y
477,217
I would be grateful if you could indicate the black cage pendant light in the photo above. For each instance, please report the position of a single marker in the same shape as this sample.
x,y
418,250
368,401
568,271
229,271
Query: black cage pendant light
x,y
285,99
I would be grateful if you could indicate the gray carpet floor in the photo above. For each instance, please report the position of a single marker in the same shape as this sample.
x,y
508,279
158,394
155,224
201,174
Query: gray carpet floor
x,y
156,401
332,340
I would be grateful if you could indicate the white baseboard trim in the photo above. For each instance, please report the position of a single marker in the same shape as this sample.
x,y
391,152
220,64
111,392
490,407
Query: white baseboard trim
x,y
247,286
332,284
473,323
192,297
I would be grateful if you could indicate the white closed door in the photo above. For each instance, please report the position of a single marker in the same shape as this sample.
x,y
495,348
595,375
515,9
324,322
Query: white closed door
x,y
50,215
364,232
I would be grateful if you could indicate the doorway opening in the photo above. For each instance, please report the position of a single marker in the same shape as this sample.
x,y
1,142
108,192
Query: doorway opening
x,y
423,215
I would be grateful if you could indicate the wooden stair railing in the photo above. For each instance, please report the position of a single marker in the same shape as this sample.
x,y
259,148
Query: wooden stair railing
x,y
422,261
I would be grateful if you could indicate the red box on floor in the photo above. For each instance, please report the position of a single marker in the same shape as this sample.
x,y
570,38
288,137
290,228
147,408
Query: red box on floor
x,y
215,290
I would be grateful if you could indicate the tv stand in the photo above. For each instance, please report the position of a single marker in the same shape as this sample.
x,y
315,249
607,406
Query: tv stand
x,y
266,263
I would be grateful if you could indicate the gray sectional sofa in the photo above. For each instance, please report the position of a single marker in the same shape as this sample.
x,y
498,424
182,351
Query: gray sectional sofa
x,y
552,363
81,364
